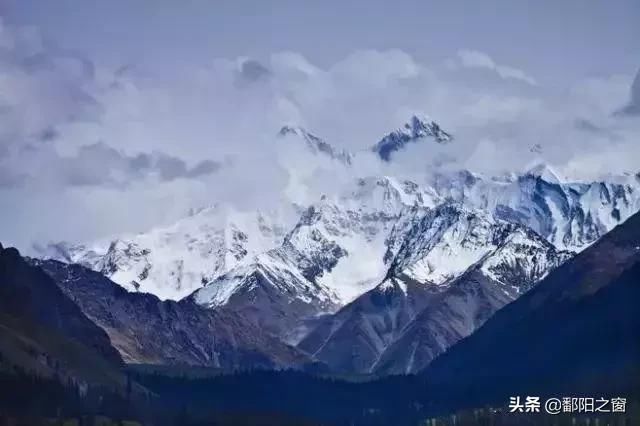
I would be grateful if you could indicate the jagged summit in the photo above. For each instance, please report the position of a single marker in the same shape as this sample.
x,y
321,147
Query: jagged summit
x,y
315,144
546,172
295,130
417,128
536,149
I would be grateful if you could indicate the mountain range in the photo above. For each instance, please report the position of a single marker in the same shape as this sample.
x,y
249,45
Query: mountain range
x,y
146,330
380,277
575,333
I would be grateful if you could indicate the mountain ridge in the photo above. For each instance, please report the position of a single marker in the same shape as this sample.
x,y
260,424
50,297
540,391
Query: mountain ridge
x,y
147,330
376,329
591,295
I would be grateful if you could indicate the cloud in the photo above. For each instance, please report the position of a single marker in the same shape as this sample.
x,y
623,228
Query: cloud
x,y
251,71
97,165
633,107
476,59
107,151
46,94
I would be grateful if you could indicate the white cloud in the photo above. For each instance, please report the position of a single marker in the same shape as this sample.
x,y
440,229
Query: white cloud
x,y
108,151
477,59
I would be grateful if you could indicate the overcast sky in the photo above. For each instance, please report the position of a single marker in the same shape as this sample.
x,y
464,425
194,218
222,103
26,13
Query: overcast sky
x,y
558,41
120,115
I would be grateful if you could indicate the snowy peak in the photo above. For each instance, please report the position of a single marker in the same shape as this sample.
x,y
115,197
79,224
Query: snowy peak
x,y
416,129
545,172
315,144
291,130
333,254
271,292
570,215
71,253
438,245
454,268
435,245
171,262
387,194
268,269
421,126
520,260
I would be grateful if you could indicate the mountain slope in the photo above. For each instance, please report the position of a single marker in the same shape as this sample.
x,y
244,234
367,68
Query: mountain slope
x,y
520,259
27,291
381,330
577,333
333,254
42,332
352,340
316,145
147,330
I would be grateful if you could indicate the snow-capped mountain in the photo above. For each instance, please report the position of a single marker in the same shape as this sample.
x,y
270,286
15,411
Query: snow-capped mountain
x,y
381,274
172,262
341,245
417,129
333,254
438,245
315,144
552,329
520,260
432,252
570,215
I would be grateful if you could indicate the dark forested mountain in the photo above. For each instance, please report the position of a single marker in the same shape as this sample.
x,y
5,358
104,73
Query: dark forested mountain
x,y
353,339
147,330
53,360
577,332
32,302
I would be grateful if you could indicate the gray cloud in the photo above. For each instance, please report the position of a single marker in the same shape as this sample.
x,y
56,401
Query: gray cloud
x,y
252,71
203,168
46,96
589,127
98,165
160,132
633,107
